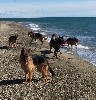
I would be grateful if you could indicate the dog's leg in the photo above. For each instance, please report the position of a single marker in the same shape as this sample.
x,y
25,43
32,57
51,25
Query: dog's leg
x,y
9,44
55,53
76,45
26,76
14,45
45,73
35,41
50,48
68,44
60,52
71,47
41,41
31,41
30,77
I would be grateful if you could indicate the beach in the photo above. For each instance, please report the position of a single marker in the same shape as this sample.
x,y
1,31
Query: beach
x,y
75,78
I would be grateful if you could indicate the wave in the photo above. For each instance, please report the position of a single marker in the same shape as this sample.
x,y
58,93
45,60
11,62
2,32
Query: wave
x,y
83,50
82,47
34,27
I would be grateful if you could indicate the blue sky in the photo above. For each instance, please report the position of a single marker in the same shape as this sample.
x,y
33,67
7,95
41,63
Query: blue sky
x,y
30,1
47,8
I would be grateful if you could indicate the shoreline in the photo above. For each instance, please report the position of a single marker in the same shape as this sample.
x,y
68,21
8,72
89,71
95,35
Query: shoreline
x,y
83,51
74,78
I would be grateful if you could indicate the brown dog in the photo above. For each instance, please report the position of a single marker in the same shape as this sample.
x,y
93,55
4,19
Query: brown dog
x,y
12,40
28,65
36,36
42,66
72,41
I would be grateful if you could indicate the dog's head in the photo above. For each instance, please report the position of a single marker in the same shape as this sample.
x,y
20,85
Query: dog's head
x,y
30,33
16,35
45,37
25,54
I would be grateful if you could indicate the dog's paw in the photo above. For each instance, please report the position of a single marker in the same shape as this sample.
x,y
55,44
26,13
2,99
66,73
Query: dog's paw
x,y
29,84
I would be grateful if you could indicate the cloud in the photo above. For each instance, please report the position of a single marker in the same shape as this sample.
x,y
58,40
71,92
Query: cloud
x,y
66,9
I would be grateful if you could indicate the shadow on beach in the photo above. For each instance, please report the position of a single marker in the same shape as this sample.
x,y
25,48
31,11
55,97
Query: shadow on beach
x,y
4,47
15,81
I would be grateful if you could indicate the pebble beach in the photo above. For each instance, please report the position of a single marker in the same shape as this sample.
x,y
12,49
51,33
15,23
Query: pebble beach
x,y
75,79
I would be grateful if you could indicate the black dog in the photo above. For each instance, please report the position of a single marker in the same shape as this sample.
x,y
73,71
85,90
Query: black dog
x,y
72,41
55,43
12,40
38,59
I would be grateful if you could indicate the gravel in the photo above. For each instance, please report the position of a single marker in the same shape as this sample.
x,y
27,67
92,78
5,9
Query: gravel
x,y
74,78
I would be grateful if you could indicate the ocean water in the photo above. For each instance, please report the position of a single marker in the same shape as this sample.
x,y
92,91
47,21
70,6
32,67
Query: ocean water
x,y
83,28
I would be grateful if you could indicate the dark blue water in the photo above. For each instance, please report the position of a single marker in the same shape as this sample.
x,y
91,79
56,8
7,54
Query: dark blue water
x,y
84,28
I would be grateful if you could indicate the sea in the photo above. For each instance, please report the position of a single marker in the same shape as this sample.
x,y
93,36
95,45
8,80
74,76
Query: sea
x,y
83,28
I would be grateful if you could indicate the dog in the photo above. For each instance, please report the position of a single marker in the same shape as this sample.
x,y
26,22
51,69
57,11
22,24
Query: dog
x,y
72,41
12,40
42,66
36,36
55,43
52,41
28,64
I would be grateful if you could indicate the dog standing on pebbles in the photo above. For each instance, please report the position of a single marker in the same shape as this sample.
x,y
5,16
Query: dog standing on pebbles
x,y
42,66
36,36
28,64
12,40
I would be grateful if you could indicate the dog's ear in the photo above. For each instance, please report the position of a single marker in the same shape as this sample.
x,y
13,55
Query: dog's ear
x,y
22,51
16,35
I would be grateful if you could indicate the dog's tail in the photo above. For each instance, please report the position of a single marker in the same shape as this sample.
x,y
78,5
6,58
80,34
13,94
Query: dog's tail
x,y
51,71
22,51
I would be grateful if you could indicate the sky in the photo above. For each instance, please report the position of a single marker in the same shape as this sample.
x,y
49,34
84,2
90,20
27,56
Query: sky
x,y
47,8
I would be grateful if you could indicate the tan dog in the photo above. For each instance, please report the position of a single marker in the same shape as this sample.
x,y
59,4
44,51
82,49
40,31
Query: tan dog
x,y
28,65
12,40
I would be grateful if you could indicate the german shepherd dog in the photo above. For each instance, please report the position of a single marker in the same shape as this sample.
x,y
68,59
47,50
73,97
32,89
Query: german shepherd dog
x,y
72,41
37,36
12,40
42,66
55,43
28,64
52,41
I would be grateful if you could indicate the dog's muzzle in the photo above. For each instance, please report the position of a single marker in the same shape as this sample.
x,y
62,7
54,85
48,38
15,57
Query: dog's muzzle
x,y
29,35
45,38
